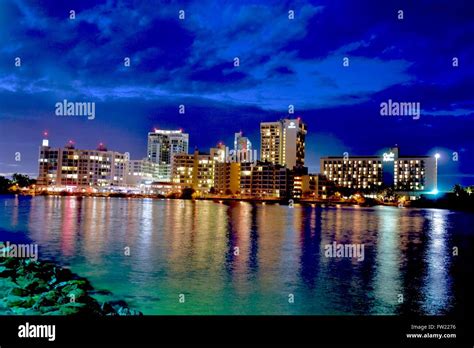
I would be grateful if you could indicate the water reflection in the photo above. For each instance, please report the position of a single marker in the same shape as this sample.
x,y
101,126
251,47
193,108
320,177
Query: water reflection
x,y
243,258
436,283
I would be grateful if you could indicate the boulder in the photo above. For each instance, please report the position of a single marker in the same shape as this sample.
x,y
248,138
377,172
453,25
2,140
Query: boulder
x,y
127,311
10,262
18,292
6,272
17,301
25,311
107,309
75,295
48,309
32,284
49,298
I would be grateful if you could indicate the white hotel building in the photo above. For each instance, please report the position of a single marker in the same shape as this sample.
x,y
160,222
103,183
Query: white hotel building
x,y
70,169
410,175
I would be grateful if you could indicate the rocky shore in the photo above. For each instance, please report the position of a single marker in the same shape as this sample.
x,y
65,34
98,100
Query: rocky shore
x,y
29,287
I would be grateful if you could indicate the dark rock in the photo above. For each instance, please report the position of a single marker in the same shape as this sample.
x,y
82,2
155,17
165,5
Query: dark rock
x,y
18,292
127,311
75,295
60,285
14,301
10,262
30,283
81,283
17,301
56,312
25,311
6,272
75,308
70,285
34,288
46,299
47,309
62,274
107,309
69,310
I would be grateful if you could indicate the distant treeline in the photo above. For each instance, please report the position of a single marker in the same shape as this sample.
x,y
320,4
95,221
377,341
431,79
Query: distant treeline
x,y
17,181
461,198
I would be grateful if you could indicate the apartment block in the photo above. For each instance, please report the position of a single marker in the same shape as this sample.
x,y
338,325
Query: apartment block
x,y
265,180
73,168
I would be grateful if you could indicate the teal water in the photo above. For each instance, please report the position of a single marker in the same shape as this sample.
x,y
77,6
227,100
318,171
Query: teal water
x,y
189,247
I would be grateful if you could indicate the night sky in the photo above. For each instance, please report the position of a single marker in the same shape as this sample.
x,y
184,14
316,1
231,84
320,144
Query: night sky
x,y
282,61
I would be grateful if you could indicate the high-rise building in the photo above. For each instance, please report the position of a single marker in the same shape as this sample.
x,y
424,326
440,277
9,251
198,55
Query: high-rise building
x,y
75,169
162,146
358,172
241,142
283,142
412,175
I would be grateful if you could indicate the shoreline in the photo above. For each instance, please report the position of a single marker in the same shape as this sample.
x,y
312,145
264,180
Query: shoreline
x,y
30,287
428,204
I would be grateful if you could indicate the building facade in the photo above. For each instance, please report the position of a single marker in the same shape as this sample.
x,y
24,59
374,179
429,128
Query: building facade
x,y
141,172
412,175
265,180
183,169
355,172
73,169
195,170
314,186
227,178
162,146
283,142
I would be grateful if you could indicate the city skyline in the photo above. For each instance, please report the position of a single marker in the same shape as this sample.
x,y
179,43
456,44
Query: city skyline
x,y
169,168
295,62
101,146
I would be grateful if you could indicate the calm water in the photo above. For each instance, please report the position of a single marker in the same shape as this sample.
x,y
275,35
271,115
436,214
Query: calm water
x,y
190,250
